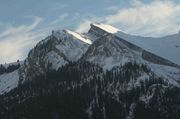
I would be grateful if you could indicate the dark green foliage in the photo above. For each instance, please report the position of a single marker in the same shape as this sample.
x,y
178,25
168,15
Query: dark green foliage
x,y
82,90
9,69
12,68
2,69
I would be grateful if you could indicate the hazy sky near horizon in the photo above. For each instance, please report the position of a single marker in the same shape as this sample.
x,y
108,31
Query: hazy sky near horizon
x,y
23,23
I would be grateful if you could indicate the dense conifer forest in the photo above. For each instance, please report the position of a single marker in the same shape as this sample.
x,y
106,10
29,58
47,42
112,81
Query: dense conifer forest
x,y
81,90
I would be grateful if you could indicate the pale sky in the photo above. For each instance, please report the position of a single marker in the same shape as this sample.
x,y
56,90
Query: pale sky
x,y
23,23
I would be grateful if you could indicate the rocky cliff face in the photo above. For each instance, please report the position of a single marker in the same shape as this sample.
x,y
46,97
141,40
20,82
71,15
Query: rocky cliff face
x,y
157,60
109,52
53,52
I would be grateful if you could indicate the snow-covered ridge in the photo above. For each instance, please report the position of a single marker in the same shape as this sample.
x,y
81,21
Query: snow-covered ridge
x,y
106,27
60,34
80,37
167,47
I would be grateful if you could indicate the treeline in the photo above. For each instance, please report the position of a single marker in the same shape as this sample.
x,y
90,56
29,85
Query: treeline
x,y
81,90
9,68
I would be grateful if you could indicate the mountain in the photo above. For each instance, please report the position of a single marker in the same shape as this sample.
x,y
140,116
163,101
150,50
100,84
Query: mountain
x,y
103,73
56,50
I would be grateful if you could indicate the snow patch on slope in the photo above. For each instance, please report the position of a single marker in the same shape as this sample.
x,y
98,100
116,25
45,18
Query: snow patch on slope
x,y
171,74
55,60
73,50
8,81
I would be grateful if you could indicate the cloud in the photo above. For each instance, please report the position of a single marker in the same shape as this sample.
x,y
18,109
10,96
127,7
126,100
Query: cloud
x,y
36,22
59,19
23,28
57,6
112,8
136,3
84,26
15,42
153,19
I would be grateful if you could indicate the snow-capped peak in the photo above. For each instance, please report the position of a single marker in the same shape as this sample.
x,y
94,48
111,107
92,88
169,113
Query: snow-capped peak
x,y
166,47
106,27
